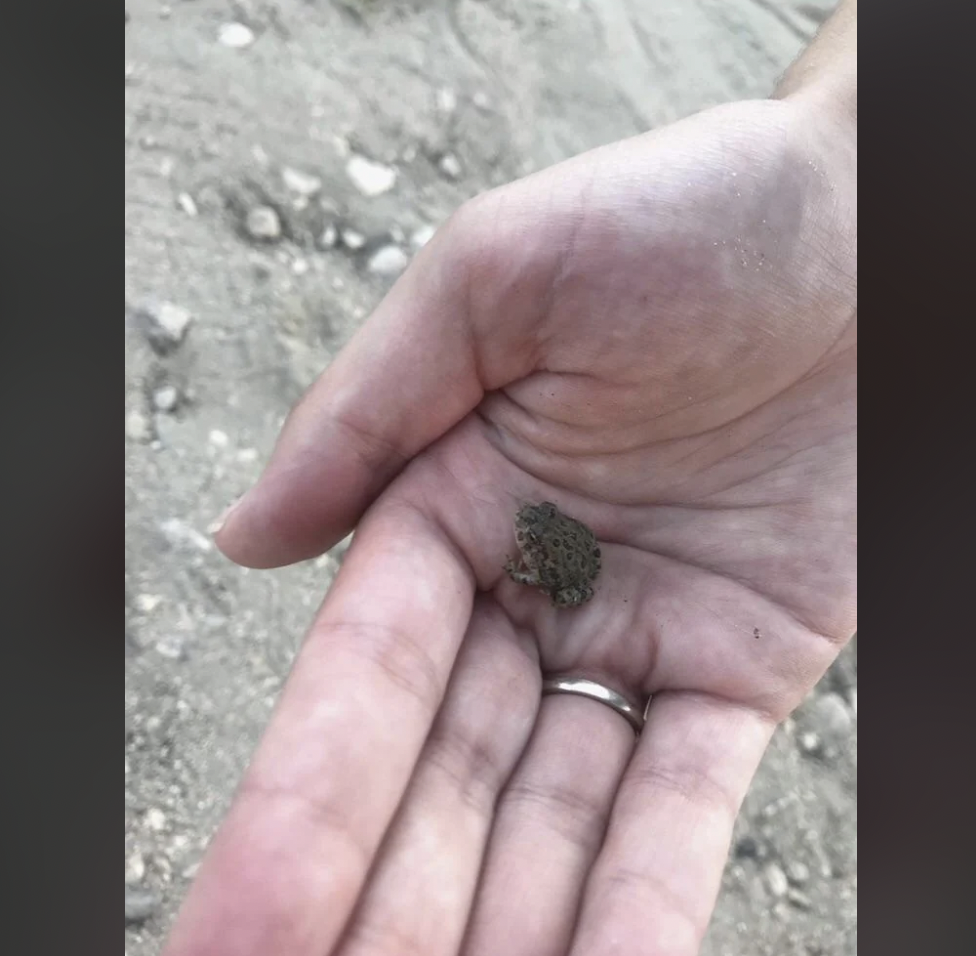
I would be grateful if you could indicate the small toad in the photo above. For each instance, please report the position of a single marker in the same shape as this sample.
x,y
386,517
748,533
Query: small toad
x,y
559,555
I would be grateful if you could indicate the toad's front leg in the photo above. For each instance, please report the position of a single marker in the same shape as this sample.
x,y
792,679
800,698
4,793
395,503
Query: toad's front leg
x,y
531,578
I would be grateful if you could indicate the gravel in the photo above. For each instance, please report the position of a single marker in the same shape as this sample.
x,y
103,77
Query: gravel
x,y
263,224
140,905
237,36
301,183
369,177
166,325
776,880
166,399
388,261
450,167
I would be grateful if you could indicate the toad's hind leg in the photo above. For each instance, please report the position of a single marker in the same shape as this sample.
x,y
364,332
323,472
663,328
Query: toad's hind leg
x,y
572,597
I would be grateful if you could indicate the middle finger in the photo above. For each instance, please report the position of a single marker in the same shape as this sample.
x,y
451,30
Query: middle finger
x,y
419,896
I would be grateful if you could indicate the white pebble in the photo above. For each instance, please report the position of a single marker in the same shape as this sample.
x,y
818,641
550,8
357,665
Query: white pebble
x,y
146,603
422,236
353,240
188,204
776,880
166,398
137,427
219,439
135,869
810,743
171,647
304,184
833,718
181,535
167,324
450,166
237,36
329,237
446,100
798,873
156,820
388,261
369,177
263,224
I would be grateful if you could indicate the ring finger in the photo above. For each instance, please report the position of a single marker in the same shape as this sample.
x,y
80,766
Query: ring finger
x,y
549,829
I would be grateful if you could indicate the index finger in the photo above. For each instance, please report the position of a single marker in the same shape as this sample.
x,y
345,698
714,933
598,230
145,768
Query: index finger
x,y
412,372
286,868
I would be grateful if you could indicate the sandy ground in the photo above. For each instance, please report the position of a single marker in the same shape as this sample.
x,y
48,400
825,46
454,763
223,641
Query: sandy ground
x,y
251,255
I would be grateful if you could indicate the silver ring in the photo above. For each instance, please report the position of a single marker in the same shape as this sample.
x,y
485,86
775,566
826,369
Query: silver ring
x,y
591,690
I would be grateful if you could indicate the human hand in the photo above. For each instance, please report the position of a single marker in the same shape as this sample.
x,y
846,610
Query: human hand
x,y
660,336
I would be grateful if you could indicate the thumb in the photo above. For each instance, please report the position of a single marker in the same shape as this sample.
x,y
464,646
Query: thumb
x,y
417,366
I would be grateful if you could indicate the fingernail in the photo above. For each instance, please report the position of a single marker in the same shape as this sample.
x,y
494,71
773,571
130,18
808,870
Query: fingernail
x,y
219,524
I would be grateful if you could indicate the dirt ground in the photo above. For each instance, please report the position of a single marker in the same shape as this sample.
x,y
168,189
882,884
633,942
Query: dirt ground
x,y
282,161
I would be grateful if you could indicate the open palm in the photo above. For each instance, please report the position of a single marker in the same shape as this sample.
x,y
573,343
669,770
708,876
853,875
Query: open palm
x,y
660,337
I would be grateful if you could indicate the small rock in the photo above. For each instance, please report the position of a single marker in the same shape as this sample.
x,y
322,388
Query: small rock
x,y
172,647
219,439
446,100
156,819
799,900
481,100
300,267
166,325
421,236
798,873
388,261
329,237
166,399
302,184
135,870
450,166
353,240
776,880
237,36
326,562
181,535
137,427
188,204
263,224
140,905
369,177
749,848
832,718
811,744
147,603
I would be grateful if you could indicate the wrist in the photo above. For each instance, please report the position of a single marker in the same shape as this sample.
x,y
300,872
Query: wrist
x,y
824,79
